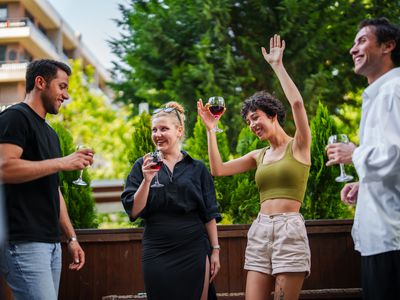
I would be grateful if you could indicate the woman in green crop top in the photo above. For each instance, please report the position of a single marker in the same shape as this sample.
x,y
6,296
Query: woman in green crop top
x,y
277,253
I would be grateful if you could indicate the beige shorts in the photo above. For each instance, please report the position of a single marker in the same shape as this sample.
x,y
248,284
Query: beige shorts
x,y
278,244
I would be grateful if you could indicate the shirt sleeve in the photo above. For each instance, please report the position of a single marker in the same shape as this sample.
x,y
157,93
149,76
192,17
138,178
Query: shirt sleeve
x,y
381,158
132,184
13,128
210,209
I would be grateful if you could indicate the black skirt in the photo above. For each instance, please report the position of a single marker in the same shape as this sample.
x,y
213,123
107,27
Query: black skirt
x,y
175,247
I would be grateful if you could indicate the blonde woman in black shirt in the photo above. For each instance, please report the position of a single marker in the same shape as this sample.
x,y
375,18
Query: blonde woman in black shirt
x,y
180,242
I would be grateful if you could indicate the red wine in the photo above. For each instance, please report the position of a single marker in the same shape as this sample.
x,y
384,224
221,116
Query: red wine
x,y
216,110
158,165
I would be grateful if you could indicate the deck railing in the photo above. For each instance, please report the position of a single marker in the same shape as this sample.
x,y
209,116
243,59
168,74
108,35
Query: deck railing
x,y
113,262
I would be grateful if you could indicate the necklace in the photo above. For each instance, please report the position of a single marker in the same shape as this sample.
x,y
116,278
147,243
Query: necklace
x,y
171,173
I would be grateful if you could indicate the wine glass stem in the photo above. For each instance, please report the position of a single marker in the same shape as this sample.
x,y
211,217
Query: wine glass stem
x,y
157,179
342,171
80,175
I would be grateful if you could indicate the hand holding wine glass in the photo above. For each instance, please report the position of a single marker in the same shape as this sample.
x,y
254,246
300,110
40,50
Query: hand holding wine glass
x,y
80,181
157,160
340,138
211,112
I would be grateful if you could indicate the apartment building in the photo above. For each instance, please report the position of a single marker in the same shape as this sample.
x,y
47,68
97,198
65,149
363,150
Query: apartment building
x,y
33,29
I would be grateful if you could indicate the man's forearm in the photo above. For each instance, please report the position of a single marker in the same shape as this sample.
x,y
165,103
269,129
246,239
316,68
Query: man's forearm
x,y
65,221
16,170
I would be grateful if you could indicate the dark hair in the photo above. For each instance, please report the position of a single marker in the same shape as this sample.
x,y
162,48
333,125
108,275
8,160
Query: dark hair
x,y
47,68
385,32
265,102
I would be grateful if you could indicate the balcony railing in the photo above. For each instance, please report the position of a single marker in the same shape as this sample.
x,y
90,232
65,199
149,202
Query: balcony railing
x,y
13,71
10,66
14,22
35,33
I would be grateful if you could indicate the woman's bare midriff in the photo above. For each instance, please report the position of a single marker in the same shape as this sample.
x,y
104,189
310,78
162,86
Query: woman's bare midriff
x,y
277,206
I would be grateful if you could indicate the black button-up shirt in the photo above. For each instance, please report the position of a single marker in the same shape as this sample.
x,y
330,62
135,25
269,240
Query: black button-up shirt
x,y
190,188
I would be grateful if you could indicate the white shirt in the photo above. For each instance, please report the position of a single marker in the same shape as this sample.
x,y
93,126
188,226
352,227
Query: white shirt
x,y
376,226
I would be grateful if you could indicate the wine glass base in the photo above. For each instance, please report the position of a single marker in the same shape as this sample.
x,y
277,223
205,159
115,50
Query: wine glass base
x,y
218,130
344,178
79,182
157,185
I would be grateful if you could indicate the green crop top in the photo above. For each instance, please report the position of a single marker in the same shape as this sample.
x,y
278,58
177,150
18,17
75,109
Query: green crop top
x,y
284,178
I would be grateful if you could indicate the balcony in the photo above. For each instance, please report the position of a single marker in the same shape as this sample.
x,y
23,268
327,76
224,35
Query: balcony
x,y
13,71
24,32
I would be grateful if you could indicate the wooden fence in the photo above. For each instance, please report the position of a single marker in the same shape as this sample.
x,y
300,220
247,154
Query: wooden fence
x,y
113,262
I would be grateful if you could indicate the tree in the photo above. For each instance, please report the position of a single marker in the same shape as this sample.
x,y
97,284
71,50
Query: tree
x,y
78,199
94,121
141,142
322,199
197,148
184,50
244,196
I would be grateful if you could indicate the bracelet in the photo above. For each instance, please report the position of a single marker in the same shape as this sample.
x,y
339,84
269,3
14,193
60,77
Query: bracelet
x,y
72,239
216,247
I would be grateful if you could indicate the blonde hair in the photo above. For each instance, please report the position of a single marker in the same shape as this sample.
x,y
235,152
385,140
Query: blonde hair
x,y
178,115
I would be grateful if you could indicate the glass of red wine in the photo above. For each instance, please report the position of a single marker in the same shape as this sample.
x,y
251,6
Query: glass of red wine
x,y
216,105
157,158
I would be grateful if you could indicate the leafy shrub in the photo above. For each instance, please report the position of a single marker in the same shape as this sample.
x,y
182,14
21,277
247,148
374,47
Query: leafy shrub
x,y
196,146
141,138
78,199
322,199
244,196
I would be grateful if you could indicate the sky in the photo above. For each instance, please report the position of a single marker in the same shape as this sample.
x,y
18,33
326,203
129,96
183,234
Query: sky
x,y
93,19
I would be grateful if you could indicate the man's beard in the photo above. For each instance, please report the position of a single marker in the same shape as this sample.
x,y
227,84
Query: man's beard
x,y
48,103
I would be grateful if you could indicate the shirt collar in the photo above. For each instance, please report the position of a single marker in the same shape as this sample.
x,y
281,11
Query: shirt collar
x,y
186,156
372,90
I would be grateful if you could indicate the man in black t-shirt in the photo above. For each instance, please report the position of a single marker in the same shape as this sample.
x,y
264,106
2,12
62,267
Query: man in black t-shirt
x,y
35,207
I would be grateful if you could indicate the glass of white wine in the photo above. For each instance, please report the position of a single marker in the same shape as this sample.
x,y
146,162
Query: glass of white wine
x,y
340,138
80,181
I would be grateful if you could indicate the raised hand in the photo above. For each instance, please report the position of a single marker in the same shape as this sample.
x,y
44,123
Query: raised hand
x,y
276,48
206,116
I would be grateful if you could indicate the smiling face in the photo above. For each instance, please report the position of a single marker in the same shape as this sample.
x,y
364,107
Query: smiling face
x,y
261,124
367,54
166,134
55,92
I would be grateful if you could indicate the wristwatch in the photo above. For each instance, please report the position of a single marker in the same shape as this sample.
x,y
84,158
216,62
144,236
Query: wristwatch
x,y
216,247
72,239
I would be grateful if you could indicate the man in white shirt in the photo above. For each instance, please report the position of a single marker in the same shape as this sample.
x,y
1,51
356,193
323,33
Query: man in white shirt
x,y
376,229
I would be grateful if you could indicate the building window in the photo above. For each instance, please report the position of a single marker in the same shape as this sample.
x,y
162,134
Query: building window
x,y
12,55
3,50
3,12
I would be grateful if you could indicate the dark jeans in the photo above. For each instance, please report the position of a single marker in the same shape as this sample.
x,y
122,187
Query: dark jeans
x,y
381,276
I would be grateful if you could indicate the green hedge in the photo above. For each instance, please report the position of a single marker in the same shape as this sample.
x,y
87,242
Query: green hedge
x,y
79,199
237,195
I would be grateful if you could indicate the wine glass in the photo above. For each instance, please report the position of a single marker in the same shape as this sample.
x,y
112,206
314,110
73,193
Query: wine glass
x,y
216,105
80,181
340,138
157,158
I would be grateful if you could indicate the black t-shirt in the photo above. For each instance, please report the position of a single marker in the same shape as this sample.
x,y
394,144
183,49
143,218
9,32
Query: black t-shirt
x,y
32,207
191,189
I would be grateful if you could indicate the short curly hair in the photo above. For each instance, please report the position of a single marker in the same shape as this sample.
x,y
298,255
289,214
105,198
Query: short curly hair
x,y
265,102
